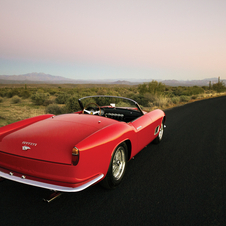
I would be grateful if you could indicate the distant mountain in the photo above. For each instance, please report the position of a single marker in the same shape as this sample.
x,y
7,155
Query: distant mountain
x,y
39,78
123,82
34,76
203,82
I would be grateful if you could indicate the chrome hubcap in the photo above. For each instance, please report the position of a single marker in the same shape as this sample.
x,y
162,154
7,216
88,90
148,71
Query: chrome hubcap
x,y
119,162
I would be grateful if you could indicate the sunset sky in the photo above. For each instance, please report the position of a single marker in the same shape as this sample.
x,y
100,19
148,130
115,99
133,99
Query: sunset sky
x,y
120,39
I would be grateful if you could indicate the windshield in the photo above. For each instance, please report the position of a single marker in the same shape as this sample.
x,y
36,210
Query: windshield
x,y
110,102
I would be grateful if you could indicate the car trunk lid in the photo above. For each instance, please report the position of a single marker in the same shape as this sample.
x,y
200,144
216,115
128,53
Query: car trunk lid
x,y
52,139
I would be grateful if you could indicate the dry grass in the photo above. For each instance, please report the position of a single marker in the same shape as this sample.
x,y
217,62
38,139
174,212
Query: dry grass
x,y
162,102
10,112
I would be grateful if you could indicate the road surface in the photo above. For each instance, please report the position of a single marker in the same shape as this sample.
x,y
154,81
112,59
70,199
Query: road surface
x,y
181,181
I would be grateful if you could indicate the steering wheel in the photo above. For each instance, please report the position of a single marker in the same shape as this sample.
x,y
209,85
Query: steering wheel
x,y
92,110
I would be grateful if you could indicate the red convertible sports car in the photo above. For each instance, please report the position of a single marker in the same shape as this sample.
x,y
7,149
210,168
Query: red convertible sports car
x,y
70,152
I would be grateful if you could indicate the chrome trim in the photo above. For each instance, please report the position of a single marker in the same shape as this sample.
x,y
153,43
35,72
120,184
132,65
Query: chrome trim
x,y
51,186
25,148
136,104
156,130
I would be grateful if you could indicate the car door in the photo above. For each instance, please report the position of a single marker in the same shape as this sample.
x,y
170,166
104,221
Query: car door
x,y
145,130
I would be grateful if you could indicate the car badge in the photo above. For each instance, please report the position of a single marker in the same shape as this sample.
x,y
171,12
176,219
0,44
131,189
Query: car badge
x,y
25,148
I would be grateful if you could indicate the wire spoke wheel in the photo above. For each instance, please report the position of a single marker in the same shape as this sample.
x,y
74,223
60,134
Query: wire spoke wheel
x,y
119,162
117,167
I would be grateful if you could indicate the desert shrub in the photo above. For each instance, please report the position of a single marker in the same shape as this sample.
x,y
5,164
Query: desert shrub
x,y
219,87
153,87
55,109
144,100
62,98
9,94
123,104
187,91
175,100
25,94
3,93
169,94
40,90
205,87
52,91
72,105
13,92
184,98
15,100
150,97
162,101
102,91
39,98
48,102
196,90
209,92
177,91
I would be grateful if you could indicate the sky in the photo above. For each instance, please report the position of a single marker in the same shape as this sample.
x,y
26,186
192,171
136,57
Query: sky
x,y
120,39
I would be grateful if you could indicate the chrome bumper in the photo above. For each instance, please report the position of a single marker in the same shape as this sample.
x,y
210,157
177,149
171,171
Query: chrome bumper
x,y
50,186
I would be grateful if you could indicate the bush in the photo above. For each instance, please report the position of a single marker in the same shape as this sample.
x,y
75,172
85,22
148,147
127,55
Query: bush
x,y
3,93
15,100
39,98
141,99
196,90
25,94
187,91
55,109
48,102
184,98
162,102
52,91
12,92
1,99
175,100
219,87
72,105
62,98
150,97
153,87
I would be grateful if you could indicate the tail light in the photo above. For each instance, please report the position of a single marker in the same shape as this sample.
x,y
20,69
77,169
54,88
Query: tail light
x,y
75,156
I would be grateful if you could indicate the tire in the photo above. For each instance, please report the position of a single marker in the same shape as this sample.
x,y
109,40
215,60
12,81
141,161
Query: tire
x,y
117,167
160,134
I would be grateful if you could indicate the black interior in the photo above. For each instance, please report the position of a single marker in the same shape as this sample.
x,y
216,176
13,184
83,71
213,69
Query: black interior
x,y
126,115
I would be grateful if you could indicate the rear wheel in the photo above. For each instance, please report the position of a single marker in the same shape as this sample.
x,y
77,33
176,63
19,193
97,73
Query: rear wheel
x,y
117,167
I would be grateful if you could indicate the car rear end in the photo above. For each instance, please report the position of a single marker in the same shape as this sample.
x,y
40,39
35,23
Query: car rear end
x,y
44,154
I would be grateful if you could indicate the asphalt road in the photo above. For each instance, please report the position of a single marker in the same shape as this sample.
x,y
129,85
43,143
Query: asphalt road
x,y
181,181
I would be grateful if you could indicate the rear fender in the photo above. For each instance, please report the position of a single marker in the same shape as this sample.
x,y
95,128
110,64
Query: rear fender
x,y
96,150
157,117
156,114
